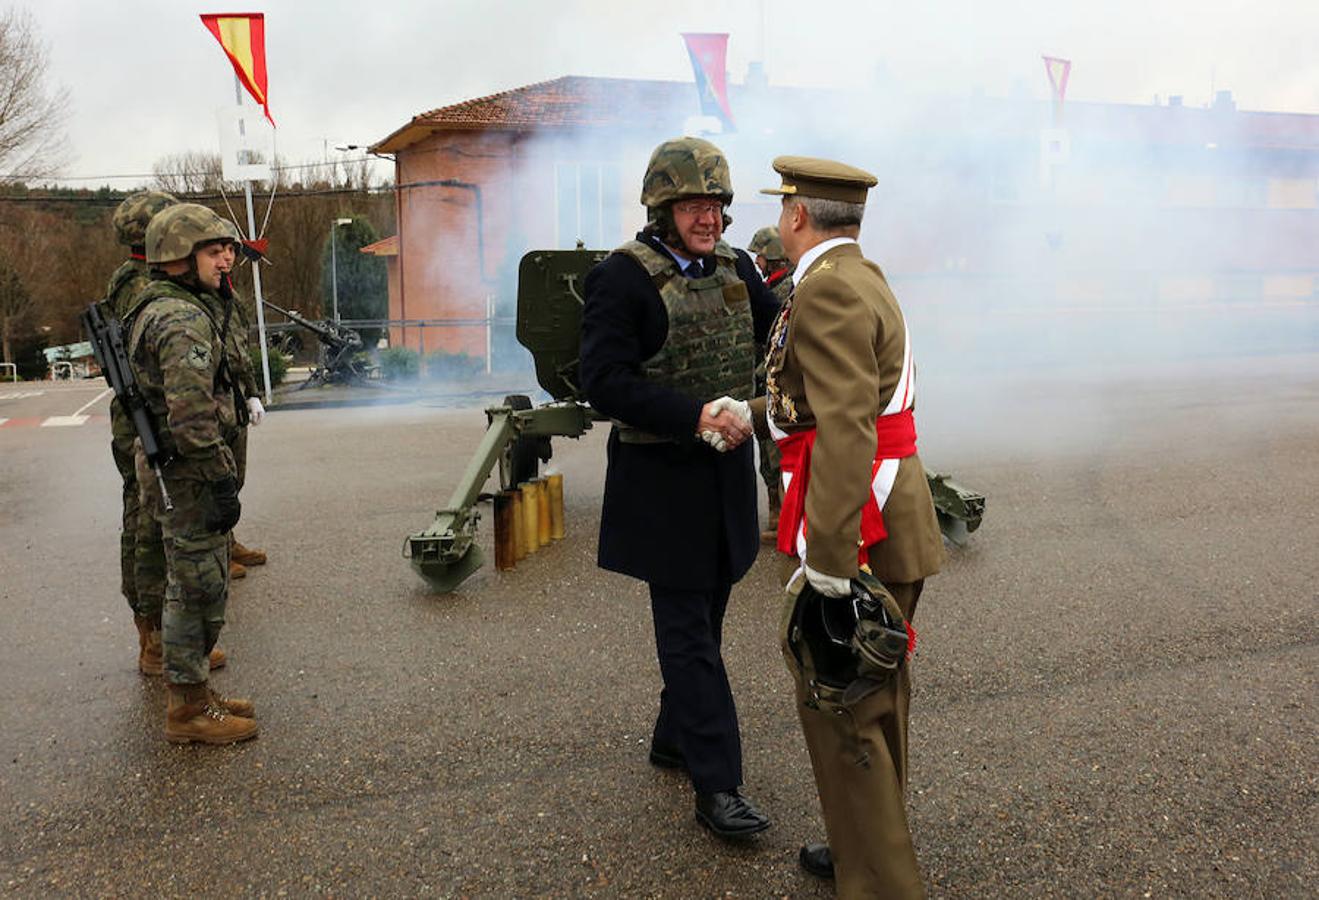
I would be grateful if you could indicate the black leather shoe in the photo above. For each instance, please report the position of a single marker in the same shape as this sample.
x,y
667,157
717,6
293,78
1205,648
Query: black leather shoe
x,y
667,756
816,859
730,815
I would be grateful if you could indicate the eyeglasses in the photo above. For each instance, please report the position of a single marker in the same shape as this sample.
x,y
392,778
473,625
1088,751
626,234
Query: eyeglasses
x,y
699,207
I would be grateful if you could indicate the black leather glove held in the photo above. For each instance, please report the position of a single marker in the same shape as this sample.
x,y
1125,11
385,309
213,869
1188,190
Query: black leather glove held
x,y
225,508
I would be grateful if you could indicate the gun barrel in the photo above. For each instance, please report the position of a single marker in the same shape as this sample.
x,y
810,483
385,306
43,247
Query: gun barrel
x,y
164,491
328,334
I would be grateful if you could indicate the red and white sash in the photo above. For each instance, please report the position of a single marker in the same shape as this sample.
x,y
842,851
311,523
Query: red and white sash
x,y
895,440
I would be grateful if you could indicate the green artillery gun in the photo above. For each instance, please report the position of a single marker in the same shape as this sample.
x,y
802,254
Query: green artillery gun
x,y
517,437
339,349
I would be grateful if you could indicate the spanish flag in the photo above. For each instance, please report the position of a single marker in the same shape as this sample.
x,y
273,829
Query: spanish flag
x,y
243,37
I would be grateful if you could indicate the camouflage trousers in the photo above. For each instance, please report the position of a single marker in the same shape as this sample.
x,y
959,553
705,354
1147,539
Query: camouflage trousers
x,y
859,756
141,556
238,446
196,569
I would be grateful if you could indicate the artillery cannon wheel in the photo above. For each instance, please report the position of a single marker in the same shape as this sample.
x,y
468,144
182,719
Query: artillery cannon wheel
x,y
522,457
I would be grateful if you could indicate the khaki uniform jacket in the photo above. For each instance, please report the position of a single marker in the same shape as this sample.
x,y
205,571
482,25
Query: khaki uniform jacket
x,y
836,371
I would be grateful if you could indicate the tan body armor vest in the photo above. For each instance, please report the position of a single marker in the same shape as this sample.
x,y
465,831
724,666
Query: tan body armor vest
x,y
710,349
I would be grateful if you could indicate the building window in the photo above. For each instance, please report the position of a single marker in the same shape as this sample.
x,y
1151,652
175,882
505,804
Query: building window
x,y
589,205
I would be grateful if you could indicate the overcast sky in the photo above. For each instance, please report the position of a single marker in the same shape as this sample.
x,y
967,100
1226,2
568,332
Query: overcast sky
x,y
146,77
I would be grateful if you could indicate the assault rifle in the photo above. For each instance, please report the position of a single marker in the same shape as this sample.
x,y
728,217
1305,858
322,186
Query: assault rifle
x,y
341,345
106,334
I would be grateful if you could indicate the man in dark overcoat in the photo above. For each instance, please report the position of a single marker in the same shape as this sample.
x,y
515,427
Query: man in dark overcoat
x,y
669,331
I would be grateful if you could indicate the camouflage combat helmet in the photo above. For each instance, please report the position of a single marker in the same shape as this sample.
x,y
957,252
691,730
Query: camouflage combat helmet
x,y
132,216
686,167
766,243
177,231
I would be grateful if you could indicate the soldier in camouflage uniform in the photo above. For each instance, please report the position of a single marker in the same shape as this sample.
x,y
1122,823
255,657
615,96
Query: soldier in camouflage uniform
x,y
177,347
240,363
669,331
773,264
141,553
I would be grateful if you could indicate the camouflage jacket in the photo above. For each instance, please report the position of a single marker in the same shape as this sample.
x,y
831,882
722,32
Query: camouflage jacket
x,y
780,283
121,295
174,348
240,362
125,284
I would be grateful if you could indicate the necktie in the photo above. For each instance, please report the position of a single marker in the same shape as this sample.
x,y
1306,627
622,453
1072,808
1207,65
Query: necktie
x,y
694,269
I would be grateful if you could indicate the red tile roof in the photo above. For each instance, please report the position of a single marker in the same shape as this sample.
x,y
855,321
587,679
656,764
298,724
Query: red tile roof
x,y
573,101
383,247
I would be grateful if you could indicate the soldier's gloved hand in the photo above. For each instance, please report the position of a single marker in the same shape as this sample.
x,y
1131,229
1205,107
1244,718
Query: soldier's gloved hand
x,y
255,411
828,585
740,409
225,508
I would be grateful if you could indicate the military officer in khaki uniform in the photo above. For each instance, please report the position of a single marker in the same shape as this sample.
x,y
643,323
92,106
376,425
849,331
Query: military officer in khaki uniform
x,y
839,402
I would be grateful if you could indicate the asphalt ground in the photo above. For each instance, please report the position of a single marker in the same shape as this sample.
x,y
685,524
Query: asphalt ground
x,y
1114,690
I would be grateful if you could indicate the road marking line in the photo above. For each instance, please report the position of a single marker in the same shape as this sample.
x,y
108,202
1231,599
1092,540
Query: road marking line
x,y
82,408
64,421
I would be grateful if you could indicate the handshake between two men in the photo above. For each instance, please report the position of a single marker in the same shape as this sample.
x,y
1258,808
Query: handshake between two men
x,y
725,423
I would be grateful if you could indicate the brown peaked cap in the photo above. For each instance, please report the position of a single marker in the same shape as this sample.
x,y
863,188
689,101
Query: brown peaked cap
x,y
806,176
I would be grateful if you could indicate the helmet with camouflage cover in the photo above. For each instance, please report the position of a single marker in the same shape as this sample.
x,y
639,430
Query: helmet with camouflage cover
x,y
686,167
176,232
133,215
766,243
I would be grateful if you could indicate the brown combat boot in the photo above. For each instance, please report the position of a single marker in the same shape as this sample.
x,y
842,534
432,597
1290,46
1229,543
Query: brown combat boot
x,y
235,706
236,570
150,654
246,555
219,659
191,715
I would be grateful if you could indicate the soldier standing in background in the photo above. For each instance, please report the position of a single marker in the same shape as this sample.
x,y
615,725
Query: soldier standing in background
x,y
773,264
669,331
240,363
178,349
840,401
141,554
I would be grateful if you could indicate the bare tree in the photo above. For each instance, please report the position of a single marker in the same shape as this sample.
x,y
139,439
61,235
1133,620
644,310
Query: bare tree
x,y
190,172
35,292
15,304
32,112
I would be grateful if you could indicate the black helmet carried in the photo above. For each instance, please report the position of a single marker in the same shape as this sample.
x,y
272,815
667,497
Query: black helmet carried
x,y
863,635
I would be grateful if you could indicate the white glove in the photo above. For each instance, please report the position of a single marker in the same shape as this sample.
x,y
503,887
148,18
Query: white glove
x,y
739,408
828,585
715,440
255,411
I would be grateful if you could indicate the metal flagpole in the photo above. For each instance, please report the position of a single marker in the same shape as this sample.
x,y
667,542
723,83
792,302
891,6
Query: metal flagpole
x,y
256,263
